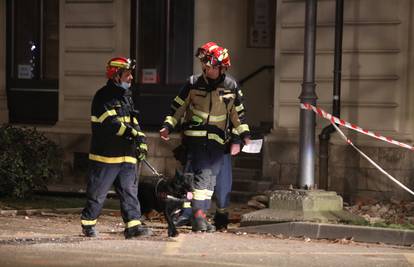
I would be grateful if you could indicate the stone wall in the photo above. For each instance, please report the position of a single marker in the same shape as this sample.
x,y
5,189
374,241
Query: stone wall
x,y
76,149
4,113
349,173
376,64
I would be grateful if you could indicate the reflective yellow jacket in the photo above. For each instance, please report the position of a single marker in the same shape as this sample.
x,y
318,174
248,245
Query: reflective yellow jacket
x,y
207,109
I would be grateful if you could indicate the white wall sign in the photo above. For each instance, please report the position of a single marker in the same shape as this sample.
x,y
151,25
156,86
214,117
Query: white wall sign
x,y
149,76
261,23
24,72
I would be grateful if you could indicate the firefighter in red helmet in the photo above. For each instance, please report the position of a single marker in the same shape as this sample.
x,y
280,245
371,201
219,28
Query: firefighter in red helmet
x,y
208,104
117,144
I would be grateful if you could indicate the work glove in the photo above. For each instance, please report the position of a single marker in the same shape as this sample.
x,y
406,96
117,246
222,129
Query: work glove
x,y
142,151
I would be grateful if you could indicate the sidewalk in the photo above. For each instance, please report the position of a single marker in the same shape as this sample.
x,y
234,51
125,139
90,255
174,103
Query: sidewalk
x,y
310,230
336,232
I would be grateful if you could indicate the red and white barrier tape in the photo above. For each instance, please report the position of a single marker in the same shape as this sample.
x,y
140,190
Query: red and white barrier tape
x,y
354,127
334,120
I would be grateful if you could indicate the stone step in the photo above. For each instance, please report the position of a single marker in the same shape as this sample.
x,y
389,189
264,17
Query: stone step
x,y
240,196
247,173
263,186
248,162
250,185
244,185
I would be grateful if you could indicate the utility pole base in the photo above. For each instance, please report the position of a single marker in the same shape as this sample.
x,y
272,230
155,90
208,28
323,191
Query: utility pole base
x,y
300,205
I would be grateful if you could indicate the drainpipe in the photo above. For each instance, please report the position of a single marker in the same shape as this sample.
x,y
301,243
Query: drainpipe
x,y
308,96
336,105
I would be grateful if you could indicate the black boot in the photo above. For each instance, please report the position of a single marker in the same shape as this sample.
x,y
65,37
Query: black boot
x,y
89,230
137,231
182,220
221,220
200,223
210,228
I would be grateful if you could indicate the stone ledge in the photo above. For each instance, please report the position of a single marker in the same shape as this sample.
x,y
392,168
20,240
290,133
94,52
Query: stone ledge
x,y
336,231
30,212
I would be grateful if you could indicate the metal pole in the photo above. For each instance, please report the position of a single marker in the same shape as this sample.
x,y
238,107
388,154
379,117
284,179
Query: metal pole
x,y
336,102
308,95
339,24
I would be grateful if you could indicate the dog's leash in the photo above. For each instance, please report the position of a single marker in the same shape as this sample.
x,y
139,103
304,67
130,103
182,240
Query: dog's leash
x,y
154,171
159,175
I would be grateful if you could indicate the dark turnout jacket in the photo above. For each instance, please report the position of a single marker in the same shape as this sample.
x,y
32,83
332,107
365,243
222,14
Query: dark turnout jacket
x,y
115,130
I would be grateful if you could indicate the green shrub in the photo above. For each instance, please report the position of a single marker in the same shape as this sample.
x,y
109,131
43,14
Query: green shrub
x,y
28,161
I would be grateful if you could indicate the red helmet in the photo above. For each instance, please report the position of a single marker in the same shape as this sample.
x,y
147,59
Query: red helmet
x,y
118,64
219,57
205,50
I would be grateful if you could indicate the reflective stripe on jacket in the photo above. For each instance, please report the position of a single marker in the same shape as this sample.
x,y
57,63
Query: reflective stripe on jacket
x,y
208,110
115,129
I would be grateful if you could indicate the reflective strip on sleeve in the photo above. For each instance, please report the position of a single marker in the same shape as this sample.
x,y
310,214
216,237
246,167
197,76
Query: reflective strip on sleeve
x,y
88,222
135,121
105,115
195,133
208,193
199,194
124,119
137,133
242,128
216,138
186,205
112,159
239,107
171,120
121,130
179,100
234,131
143,146
132,223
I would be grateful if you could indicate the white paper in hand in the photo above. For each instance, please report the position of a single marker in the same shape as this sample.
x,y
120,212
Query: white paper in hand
x,y
254,147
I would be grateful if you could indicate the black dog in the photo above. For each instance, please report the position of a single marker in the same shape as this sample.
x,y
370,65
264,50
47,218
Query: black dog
x,y
167,196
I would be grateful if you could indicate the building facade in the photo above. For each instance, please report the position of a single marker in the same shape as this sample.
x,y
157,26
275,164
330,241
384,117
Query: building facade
x,y
48,77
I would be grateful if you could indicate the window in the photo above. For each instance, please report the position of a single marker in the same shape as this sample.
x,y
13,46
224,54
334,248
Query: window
x,y
162,43
32,60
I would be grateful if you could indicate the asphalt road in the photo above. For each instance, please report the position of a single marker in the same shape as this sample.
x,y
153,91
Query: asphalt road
x,y
56,241
203,250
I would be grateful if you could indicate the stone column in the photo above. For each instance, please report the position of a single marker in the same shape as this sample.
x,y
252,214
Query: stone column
x,y
4,112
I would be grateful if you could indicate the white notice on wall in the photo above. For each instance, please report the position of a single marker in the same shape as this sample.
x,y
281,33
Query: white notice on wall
x,y
24,71
254,147
149,75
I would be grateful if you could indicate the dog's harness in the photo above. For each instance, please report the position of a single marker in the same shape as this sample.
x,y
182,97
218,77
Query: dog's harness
x,y
161,178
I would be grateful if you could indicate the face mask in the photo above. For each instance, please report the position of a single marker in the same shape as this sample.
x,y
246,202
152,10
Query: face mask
x,y
125,85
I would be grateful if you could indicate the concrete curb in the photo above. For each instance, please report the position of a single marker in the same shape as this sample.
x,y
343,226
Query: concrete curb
x,y
30,212
335,231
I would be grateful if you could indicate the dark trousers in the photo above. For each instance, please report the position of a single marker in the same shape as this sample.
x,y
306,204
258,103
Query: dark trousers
x,y
224,182
124,178
205,163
